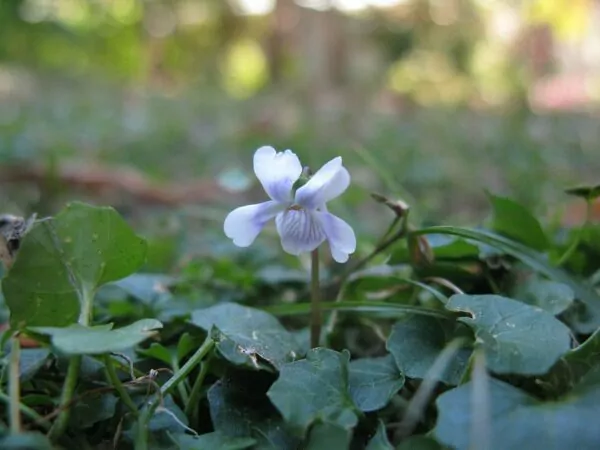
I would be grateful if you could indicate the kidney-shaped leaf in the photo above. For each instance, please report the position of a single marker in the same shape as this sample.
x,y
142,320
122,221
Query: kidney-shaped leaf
x,y
78,340
549,295
417,341
214,440
315,389
324,435
380,440
520,421
374,381
246,333
517,338
62,261
239,408
585,320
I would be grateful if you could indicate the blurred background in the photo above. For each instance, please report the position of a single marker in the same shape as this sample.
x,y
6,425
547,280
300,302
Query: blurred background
x,y
158,105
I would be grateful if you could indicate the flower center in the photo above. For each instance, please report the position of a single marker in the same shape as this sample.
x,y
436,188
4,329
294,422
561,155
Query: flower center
x,y
295,208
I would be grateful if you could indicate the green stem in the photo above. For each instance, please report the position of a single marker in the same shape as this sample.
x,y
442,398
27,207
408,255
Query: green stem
x,y
569,251
191,407
181,388
113,378
315,306
86,297
380,247
141,441
27,411
14,387
68,390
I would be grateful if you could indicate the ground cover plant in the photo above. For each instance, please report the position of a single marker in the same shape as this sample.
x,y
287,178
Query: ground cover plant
x,y
428,337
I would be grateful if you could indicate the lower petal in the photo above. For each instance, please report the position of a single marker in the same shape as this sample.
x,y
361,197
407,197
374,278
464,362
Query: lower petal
x,y
340,235
245,223
300,230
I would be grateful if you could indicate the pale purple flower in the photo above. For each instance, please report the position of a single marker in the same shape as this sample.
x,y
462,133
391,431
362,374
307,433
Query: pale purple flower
x,y
301,217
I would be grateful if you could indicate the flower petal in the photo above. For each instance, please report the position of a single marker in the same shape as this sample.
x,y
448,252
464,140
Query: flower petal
x,y
243,224
330,181
300,230
340,235
277,172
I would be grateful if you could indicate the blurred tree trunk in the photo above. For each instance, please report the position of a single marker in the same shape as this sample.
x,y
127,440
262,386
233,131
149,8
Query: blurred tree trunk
x,y
324,56
277,45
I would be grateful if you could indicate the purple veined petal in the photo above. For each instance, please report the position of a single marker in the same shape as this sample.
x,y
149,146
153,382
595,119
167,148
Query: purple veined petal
x,y
243,224
300,231
340,235
329,182
277,172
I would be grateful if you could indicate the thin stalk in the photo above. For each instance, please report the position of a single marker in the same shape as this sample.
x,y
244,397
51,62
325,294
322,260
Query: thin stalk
x,y
14,386
191,407
569,251
181,388
141,441
68,391
316,316
481,421
86,297
113,378
418,403
27,411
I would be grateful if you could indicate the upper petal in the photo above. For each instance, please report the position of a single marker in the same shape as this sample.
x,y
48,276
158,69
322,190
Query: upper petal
x,y
340,236
277,172
243,224
330,181
300,230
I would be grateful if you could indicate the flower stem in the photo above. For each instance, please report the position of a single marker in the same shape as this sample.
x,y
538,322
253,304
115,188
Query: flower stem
x,y
141,441
27,411
113,378
14,386
191,407
316,315
86,298
62,420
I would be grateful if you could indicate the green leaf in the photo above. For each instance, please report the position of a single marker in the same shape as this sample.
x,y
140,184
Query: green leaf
x,y
447,247
585,357
380,441
186,344
92,410
315,389
576,364
214,440
158,352
549,295
514,220
417,341
146,287
244,334
585,192
328,436
374,381
517,338
239,408
520,421
585,320
63,260
78,340
31,361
